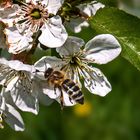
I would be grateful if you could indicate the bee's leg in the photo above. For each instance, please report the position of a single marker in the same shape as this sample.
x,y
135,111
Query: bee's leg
x,y
70,100
61,99
55,89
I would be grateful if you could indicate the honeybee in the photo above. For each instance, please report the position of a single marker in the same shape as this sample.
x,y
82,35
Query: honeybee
x,y
59,80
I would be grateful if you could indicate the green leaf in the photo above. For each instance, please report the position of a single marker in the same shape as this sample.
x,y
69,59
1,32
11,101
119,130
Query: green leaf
x,y
125,27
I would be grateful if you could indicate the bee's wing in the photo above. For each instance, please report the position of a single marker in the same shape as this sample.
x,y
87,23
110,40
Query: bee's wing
x,y
58,94
51,91
67,101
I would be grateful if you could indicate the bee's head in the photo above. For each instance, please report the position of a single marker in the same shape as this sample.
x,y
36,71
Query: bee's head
x,y
48,72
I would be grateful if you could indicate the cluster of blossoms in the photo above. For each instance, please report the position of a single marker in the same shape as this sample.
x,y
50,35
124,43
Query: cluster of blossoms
x,y
33,26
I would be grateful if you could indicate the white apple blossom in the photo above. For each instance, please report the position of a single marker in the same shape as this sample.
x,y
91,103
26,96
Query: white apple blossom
x,y
35,15
16,79
76,62
90,9
100,50
10,115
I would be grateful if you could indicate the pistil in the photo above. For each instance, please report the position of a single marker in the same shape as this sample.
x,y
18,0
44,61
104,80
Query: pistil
x,y
35,14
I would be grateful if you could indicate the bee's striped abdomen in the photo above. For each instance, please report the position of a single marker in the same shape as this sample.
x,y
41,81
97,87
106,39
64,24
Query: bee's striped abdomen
x,y
73,90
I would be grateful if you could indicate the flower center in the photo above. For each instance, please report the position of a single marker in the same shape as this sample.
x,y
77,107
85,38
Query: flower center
x,y
75,61
32,15
35,14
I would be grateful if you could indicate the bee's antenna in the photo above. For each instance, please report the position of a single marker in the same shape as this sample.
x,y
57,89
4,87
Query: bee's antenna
x,y
45,65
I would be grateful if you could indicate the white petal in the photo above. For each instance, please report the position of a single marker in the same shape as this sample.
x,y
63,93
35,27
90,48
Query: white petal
x,y
102,49
96,82
53,5
28,1
91,8
24,95
47,62
41,66
11,83
71,46
22,28
7,15
16,65
53,33
7,97
17,42
13,118
19,66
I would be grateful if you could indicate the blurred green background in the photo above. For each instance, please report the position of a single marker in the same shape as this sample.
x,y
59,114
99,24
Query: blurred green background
x,y
113,117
